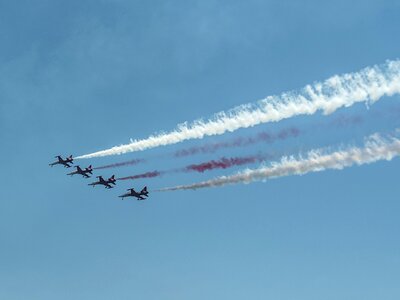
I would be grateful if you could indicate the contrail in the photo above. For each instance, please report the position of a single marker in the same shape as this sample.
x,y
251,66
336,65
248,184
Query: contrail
x,y
121,164
367,85
375,148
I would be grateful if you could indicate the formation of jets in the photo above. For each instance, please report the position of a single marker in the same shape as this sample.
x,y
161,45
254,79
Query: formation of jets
x,y
107,183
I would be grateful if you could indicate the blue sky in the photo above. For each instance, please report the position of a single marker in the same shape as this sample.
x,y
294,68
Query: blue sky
x,y
81,76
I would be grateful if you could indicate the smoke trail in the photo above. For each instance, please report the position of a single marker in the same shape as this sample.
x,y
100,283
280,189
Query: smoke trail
x,y
265,136
144,175
368,85
225,163
237,142
121,164
375,148
222,163
240,141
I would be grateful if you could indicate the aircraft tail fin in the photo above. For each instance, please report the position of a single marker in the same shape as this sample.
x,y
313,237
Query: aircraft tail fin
x,y
144,191
112,179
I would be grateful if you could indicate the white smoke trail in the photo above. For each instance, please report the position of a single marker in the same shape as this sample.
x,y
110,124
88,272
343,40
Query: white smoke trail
x,y
368,85
375,148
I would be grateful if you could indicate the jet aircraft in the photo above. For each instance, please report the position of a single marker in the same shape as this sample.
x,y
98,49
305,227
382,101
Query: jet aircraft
x,y
107,183
84,172
65,162
133,193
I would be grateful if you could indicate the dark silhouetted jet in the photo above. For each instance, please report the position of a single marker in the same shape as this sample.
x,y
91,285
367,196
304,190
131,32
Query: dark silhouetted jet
x,y
84,172
107,183
64,162
133,193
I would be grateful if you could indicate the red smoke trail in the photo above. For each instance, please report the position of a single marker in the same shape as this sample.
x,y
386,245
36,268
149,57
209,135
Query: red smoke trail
x,y
240,141
225,163
266,137
237,142
121,164
222,163
144,175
